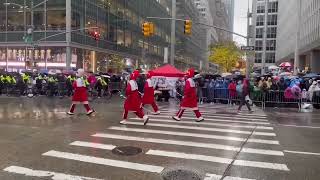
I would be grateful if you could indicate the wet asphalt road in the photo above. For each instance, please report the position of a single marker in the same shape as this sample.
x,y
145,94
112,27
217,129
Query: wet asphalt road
x,y
36,135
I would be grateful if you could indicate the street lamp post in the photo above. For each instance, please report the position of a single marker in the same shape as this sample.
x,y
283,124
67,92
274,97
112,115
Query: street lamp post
x,y
296,52
6,37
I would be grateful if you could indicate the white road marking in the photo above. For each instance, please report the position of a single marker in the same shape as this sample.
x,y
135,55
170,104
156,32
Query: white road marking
x,y
206,123
218,177
191,144
301,152
217,120
217,116
208,136
93,145
103,161
256,164
44,174
205,129
296,126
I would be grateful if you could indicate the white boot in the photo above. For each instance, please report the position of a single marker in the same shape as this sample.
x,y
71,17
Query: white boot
x,y
176,118
156,113
200,119
124,122
145,120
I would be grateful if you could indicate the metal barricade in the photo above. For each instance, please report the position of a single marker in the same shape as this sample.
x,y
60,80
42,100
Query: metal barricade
x,y
312,98
257,96
221,95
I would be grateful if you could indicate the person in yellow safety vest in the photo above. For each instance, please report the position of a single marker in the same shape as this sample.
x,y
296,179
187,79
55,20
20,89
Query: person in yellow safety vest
x,y
13,80
1,83
69,83
25,78
100,84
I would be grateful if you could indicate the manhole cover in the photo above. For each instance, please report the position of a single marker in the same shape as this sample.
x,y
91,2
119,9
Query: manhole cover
x,y
127,151
180,174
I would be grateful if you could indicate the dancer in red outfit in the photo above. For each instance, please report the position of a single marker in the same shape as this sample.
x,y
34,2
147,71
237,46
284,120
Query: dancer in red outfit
x,y
189,100
133,101
80,94
148,96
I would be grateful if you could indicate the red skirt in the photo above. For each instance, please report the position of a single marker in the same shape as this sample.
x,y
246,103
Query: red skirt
x,y
80,95
133,102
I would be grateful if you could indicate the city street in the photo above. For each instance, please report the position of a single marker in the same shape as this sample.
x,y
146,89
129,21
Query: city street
x,y
40,141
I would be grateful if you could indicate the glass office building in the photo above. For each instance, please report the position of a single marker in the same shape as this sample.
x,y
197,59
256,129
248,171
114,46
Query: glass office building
x,y
117,21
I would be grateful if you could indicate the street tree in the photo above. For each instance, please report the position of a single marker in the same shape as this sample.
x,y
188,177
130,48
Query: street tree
x,y
226,55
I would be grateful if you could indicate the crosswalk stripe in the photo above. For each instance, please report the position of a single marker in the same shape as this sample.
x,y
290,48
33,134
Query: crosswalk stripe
x,y
255,164
219,116
93,145
258,133
44,174
209,111
218,177
217,120
206,123
225,119
190,143
103,161
206,129
208,136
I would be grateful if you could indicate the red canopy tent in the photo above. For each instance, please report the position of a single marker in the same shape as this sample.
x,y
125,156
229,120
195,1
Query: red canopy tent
x,y
167,71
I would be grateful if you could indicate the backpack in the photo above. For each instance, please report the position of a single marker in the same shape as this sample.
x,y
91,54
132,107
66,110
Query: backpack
x,y
239,88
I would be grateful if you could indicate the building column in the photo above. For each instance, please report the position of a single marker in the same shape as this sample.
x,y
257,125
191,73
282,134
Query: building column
x,y
315,61
68,34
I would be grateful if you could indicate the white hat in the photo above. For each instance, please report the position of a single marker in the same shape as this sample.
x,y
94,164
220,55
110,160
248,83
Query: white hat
x,y
80,72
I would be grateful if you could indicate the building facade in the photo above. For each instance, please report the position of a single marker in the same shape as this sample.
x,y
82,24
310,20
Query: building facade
x,y
308,28
62,34
221,18
264,32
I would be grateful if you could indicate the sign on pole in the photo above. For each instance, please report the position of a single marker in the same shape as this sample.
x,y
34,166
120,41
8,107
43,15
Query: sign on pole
x,y
247,48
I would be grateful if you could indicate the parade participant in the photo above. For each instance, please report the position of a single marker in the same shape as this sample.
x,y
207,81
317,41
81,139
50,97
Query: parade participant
x,y
148,96
189,100
133,100
80,93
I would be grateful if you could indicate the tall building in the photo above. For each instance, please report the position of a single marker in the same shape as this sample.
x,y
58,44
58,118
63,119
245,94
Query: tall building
x,y
211,33
264,24
221,18
230,11
309,39
62,33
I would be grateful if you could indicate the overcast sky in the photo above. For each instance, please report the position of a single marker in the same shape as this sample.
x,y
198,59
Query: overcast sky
x,y
240,20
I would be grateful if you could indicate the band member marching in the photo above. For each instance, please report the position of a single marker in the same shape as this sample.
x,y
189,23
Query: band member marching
x,y
148,96
80,93
133,101
189,100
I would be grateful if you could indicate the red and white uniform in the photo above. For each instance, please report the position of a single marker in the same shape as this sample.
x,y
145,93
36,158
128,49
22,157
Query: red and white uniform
x,y
133,101
189,100
148,96
80,92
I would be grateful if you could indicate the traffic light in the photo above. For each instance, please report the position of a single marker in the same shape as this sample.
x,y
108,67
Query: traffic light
x,y
187,27
148,29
